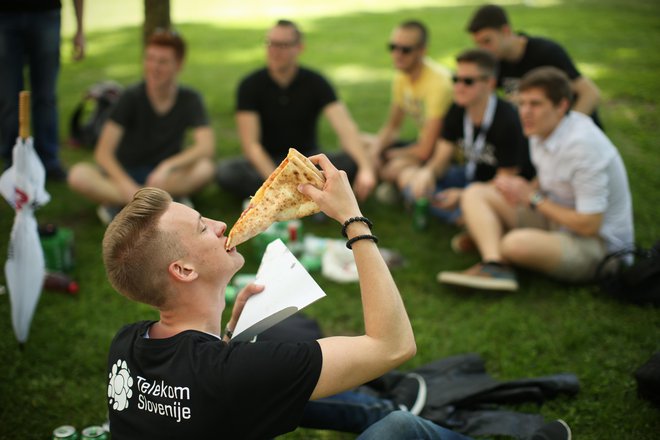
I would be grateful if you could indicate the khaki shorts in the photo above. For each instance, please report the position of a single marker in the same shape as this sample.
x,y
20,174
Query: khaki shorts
x,y
580,255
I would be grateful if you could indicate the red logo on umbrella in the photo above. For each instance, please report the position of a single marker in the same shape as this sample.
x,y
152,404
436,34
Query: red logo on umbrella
x,y
21,198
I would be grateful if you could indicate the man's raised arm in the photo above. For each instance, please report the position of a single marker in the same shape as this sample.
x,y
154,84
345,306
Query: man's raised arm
x,y
388,340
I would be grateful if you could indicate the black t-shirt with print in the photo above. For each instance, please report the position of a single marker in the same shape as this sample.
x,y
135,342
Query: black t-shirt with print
x,y
505,143
288,115
193,385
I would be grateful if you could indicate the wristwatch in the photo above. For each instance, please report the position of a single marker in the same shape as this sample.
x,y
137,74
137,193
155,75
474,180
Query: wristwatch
x,y
536,198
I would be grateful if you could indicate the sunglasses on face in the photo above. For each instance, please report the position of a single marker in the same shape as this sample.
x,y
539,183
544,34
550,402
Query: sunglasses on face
x,y
281,44
403,49
467,80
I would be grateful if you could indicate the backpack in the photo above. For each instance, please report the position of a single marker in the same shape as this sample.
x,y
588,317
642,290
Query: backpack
x,y
86,125
648,380
638,282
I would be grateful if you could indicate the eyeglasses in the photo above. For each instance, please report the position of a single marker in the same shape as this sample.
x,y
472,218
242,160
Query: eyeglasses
x,y
467,80
281,44
403,49
166,31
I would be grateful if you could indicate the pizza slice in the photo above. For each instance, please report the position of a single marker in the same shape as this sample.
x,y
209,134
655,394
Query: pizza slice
x,y
278,199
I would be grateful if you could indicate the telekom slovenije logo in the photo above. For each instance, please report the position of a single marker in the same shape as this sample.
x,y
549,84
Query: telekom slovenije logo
x,y
120,386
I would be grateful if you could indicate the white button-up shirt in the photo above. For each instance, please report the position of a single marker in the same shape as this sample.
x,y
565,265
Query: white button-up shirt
x,y
578,167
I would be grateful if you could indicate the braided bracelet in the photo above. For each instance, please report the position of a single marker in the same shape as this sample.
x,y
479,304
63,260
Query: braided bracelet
x,y
349,243
355,219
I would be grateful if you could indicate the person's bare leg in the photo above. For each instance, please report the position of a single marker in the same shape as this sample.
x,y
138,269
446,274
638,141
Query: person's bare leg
x,y
186,181
88,180
391,170
534,249
487,216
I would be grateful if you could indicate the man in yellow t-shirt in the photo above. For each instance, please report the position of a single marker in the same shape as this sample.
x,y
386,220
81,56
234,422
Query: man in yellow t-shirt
x,y
422,90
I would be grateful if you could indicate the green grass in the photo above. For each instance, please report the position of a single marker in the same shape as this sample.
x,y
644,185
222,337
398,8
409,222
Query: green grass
x,y
546,327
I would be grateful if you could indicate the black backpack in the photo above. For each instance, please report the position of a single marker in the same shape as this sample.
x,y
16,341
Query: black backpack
x,y
638,282
86,123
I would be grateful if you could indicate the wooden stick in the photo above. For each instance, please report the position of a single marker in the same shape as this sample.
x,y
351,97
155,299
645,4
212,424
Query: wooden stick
x,y
24,114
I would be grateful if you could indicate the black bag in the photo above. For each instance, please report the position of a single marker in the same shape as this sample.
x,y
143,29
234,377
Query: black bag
x,y
648,380
638,282
86,124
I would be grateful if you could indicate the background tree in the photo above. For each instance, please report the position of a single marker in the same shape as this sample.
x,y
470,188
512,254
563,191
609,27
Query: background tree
x,y
156,15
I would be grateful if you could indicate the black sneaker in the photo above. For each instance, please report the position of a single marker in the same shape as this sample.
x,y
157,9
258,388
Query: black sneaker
x,y
555,430
410,393
56,174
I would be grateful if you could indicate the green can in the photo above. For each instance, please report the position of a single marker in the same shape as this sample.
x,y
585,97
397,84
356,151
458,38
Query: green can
x,y
420,215
94,433
57,243
65,432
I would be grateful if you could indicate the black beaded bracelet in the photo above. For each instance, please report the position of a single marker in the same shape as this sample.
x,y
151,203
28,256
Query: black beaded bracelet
x,y
349,243
355,219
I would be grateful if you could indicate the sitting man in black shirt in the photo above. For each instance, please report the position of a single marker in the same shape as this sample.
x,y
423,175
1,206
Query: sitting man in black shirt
x,y
481,138
278,107
141,144
519,53
177,378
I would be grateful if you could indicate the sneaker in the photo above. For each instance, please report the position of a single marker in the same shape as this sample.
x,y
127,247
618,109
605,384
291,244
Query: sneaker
x,y
462,243
106,213
410,393
555,430
56,174
489,276
387,193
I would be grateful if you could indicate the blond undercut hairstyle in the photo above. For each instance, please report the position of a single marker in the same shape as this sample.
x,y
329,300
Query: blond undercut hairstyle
x,y
137,253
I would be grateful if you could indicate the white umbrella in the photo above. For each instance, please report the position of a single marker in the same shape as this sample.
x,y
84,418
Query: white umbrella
x,y
23,186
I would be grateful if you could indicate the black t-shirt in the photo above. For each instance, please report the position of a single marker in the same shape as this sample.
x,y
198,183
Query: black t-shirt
x,y
150,138
538,52
288,116
505,143
193,385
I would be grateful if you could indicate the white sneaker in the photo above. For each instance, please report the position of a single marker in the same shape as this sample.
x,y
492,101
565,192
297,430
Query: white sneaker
x,y
106,214
387,193
185,200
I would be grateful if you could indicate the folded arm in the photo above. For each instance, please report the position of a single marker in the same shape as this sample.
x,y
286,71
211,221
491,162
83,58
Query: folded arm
x,y
350,140
249,132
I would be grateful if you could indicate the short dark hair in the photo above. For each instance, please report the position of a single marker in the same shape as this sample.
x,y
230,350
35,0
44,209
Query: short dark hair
x,y
292,25
485,60
554,82
420,27
488,17
168,38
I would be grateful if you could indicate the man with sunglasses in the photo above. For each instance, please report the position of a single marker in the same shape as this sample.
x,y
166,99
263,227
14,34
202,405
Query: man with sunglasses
x,y
142,142
421,90
563,223
519,53
481,138
278,107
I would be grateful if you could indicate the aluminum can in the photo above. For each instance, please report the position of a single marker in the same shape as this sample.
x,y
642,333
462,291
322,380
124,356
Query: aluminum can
x,y
421,214
94,433
65,432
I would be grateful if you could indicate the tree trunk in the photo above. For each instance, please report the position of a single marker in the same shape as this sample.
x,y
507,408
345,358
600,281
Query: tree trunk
x,y
156,15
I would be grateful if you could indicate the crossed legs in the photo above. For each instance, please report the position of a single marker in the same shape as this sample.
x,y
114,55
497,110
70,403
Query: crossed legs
x,y
493,224
90,181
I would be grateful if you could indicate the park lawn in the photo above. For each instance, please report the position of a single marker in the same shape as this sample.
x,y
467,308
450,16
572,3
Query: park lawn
x,y
547,327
